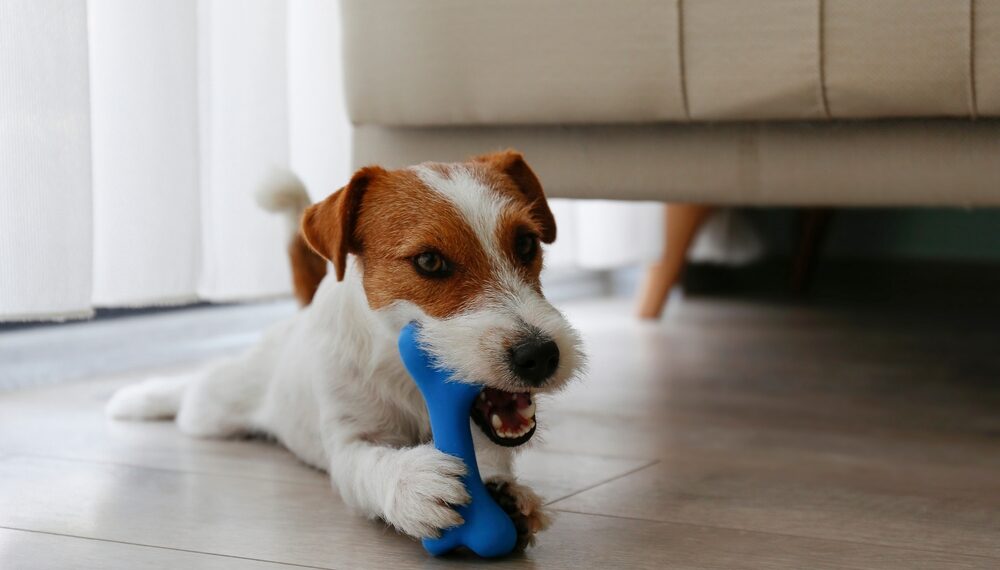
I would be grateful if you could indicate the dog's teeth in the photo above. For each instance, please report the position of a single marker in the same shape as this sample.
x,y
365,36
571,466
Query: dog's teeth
x,y
495,420
528,412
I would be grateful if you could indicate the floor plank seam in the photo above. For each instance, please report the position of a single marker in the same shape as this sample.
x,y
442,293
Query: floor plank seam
x,y
189,551
604,482
783,534
322,484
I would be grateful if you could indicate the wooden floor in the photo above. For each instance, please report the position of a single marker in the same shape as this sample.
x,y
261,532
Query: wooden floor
x,y
731,435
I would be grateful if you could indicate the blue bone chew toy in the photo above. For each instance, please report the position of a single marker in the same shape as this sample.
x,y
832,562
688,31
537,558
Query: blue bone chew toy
x,y
487,529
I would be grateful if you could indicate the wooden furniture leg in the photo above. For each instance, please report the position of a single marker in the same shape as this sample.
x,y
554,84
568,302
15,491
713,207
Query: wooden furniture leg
x,y
683,221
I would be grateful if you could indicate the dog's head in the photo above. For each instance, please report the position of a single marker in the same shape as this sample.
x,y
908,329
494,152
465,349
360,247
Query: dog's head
x,y
457,247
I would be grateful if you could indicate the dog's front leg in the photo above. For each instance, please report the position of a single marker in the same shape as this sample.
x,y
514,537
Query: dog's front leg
x,y
496,465
414,488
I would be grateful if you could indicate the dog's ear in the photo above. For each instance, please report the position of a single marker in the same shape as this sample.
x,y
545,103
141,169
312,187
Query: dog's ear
x,y
511,163
329,226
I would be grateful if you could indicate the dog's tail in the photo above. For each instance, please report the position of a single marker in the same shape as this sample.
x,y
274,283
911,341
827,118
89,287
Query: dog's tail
x,y
284,193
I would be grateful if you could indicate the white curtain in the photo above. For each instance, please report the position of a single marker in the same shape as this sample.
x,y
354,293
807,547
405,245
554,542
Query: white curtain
x,y
133,133
45,201
146,151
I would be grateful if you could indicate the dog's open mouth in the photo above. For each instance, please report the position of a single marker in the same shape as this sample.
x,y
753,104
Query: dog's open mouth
x,y
507,418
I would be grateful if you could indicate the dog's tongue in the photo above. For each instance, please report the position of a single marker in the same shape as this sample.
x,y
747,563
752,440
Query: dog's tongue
x,y
510,414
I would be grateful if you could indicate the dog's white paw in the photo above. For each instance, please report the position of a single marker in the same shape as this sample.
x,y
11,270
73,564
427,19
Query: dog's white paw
x,y
424,492
157,398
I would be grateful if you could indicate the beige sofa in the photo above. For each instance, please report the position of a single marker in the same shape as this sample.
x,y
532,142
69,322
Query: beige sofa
x,y
791,102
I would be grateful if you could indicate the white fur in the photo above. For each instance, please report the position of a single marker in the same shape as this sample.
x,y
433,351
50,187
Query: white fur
x,y
479,205
503,315
283,192
328,384
156,398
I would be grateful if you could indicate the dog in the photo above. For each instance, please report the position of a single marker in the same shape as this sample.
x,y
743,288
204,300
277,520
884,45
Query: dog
x,y
455,247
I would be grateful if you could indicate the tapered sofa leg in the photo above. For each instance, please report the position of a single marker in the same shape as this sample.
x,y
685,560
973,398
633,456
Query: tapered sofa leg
x,y
682,223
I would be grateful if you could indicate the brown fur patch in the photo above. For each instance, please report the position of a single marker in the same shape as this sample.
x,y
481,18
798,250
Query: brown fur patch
x,y
308,269
329,227
509,174
401,218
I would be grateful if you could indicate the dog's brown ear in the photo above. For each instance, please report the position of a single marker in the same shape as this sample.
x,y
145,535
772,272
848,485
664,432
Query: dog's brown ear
x,y
329,226
511,163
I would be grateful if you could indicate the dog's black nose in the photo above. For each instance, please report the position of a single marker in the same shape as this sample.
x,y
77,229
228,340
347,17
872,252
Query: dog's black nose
x,y
535,360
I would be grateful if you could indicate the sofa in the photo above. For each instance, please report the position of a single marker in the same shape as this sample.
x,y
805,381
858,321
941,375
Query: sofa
x,y
695,103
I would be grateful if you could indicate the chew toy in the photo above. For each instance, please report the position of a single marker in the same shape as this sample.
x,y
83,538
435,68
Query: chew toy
x,y
487,529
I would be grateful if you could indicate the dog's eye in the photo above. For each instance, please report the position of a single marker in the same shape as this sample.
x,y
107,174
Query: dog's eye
x,y
526,247
432,264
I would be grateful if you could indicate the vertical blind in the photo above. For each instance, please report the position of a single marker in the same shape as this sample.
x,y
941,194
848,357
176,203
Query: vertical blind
x,y
45,178
132,136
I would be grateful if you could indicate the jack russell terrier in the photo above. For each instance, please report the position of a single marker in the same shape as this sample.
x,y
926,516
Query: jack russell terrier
x,y
455,247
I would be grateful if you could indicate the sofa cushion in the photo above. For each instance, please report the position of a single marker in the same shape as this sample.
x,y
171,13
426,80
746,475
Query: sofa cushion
x,y
454,62
941,162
